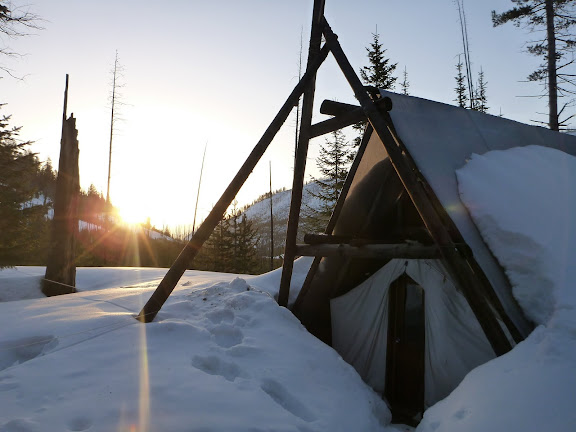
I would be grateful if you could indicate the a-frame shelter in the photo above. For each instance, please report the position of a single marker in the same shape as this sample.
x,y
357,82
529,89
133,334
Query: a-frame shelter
x,y
386,156
380,290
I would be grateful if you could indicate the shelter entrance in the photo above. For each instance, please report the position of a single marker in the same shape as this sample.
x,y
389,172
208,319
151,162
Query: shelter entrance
x,y
404,388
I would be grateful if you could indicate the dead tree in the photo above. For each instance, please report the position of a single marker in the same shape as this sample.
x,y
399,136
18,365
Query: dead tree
x,y
61,269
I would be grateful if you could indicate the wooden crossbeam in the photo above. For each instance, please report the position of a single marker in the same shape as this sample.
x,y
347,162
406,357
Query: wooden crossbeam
x,y
334,108
345,115
370,251
341,121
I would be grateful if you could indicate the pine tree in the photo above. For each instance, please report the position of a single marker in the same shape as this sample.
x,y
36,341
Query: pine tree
x,y
45,182
480,99
461,95
555,19
231,248
20,219
245,246
379,71
332,162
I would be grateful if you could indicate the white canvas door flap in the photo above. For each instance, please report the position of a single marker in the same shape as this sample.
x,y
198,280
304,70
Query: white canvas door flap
x,y
455,342
360,324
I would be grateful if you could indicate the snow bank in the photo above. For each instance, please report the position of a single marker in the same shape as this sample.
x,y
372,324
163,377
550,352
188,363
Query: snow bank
x,y
270,282
218,357
524,202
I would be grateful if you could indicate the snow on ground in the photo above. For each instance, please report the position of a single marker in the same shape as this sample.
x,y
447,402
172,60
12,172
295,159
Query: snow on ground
x,y
524,202
220,356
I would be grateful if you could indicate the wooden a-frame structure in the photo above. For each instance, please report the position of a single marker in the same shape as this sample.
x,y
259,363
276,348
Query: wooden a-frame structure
x,y
448,244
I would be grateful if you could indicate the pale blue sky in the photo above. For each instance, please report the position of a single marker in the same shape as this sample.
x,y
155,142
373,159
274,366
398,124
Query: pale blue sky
x,y
198,71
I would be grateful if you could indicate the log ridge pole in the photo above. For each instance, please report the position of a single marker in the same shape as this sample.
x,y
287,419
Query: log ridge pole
x,y
168,283
458,266
301,154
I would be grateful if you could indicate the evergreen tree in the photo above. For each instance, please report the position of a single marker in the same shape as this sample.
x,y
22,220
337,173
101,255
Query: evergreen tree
x,y
461,95
555,20
20,219
47,181
480,100
332,162
378,73
244,243
231,248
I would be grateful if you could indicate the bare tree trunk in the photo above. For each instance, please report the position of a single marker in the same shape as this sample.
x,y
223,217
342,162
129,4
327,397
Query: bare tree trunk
x,y
271,222
552,78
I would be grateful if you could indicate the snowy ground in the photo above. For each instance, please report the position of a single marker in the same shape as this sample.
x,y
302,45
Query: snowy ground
x,y
222,356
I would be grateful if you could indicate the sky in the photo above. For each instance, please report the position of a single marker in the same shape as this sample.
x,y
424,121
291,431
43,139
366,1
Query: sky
x,y
199,73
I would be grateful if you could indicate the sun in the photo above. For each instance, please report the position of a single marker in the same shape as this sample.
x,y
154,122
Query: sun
x,y
131,214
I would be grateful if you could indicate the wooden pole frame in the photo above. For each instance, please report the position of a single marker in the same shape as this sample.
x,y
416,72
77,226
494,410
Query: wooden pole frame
x,y
184,259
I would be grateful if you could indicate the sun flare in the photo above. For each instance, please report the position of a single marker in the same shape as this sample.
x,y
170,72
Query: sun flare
x,y
131,214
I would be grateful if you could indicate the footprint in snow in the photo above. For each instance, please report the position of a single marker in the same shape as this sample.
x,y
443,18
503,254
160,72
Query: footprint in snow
x,y
221,315
214,365
227,336
79,424
20,425
286,400
18,351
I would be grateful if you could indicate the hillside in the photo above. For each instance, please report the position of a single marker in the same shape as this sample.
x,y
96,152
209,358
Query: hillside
x,y
259,214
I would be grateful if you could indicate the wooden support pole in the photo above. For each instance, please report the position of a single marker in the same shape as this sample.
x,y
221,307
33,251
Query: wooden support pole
x,y
301,155
460,269
370,251
168,283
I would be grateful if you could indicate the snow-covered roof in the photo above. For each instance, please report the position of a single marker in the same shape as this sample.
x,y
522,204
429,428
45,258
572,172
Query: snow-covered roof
x,y
441,139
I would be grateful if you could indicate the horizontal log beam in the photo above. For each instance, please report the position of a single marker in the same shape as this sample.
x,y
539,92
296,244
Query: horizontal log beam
x,y
346,115
392,237
344,120
333,108
377,251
